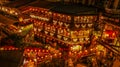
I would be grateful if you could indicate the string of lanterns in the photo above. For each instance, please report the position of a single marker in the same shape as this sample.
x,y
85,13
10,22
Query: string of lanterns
x,y
39,54
42,55
8,10
8,48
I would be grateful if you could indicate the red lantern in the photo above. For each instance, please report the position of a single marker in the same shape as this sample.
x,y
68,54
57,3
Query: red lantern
x,y
43,51
42,57
28,50
13,48
47,51
111,33
39,50
46,56
35,50
60,54
91,49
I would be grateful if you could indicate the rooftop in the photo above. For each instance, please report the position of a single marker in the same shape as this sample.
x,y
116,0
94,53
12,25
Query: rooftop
x,y
18,3
75,9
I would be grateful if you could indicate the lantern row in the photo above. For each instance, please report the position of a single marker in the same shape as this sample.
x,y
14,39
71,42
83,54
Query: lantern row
x,y
8,48
41,55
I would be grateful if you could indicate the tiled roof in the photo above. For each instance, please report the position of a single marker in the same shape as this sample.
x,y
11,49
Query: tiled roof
x,y
112,15
19,3
75,9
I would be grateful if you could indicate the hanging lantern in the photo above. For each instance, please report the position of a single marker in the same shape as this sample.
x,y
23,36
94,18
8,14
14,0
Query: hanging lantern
x,y
91,49
60,54
51,34
75,39
43,51
77,25
75,19
46,56
110,33
39,30
90,25
55,55
117,20
9,48
65,38
59,36
69,18
47,51
86,51
66,25
31,50
54,22
46,32
51,56
28,50
80,52
20,19
81,39
86,38
83,25
14,48
42,57
35,50
38,58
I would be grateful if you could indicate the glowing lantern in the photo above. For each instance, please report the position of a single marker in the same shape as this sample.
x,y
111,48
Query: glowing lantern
x,y
31,50
80,52
46,56
51,56
9,48
38,58
12,11
28,50
91,49
46,50
74,39
13,48
42,57
43,50
110,33
16,48
35,50
20,19
76,48
60,53
1,48
86,51
55,55
75,52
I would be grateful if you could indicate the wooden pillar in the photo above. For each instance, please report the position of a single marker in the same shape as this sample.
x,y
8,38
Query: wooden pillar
x,y
83,1
93,2
89,2
72,23
115,5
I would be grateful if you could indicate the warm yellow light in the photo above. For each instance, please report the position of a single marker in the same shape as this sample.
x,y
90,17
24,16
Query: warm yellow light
x,y
20,19
46,56
41,57
76,48
12,11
